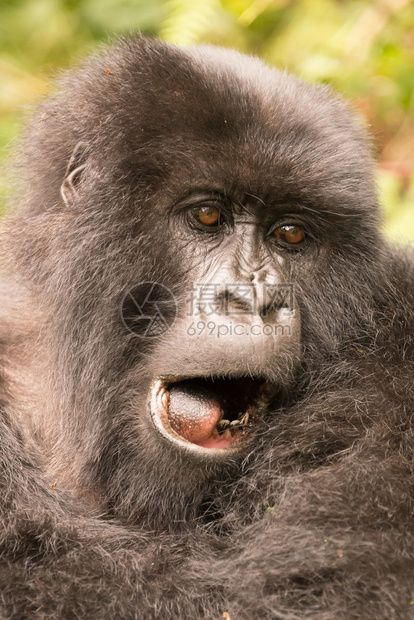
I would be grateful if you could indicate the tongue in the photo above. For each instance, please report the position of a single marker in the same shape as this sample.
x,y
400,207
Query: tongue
x,y
194,414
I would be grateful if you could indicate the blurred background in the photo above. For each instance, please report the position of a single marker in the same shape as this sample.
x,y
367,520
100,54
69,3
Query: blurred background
x,y
363,48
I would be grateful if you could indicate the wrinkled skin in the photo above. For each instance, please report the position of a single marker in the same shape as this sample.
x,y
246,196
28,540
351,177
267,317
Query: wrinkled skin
x,y
306,511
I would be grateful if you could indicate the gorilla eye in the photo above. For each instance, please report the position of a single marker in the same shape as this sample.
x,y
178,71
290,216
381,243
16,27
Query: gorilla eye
x,y
290,234
209,216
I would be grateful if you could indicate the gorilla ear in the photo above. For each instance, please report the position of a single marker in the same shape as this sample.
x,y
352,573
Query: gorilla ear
x,y
74,173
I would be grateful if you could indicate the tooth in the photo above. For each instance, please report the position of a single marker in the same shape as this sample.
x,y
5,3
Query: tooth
x,y
223,424
235,423
244,419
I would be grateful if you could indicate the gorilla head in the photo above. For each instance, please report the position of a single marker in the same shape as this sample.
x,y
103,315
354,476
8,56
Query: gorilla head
x,y
197,239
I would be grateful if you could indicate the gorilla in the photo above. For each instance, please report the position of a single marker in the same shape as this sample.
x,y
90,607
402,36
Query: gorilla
x,y
207,352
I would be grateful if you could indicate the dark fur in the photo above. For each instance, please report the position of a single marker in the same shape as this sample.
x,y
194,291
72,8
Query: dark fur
x,y
100,519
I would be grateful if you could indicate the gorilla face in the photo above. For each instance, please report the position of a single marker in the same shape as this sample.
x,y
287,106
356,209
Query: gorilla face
x,y
228,210
241,332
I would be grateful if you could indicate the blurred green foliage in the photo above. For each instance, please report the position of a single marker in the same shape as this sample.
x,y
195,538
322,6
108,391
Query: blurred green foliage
x,y
363,48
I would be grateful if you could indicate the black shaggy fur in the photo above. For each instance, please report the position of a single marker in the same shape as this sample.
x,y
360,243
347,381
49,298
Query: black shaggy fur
x,y
99,517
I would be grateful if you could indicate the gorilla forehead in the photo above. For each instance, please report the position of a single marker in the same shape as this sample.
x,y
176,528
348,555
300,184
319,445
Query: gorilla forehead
x,y
182,99
216,117
151,113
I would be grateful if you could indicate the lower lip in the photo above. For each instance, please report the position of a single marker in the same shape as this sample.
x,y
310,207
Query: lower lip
x,y
212,444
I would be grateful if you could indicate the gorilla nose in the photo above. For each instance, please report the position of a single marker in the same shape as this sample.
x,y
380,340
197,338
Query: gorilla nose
x,y
251,299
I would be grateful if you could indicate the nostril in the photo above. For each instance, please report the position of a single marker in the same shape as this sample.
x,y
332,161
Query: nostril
x,y
266,310
228,302
274,299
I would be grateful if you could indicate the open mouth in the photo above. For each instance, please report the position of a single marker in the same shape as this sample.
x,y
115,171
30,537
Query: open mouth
x,y
210,413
